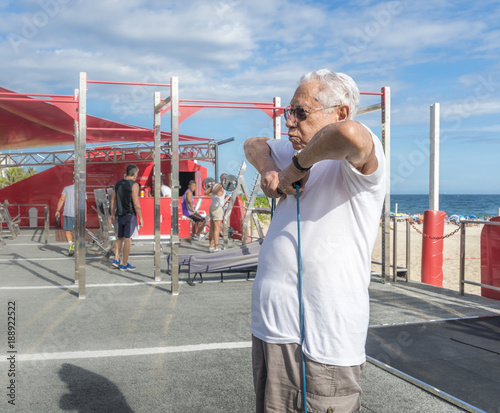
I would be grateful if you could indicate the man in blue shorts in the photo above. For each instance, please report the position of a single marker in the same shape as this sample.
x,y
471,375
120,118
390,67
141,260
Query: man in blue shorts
x,y
68,199
126,199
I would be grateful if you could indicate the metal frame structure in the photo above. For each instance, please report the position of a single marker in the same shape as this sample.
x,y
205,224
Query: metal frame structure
x,y
136,152
174,104
385,107
275,109
80,176
191,106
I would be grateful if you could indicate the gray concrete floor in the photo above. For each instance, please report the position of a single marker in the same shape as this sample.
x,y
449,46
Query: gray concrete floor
x,y
132,346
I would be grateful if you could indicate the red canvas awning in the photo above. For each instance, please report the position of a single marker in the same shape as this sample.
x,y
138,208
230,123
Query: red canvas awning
x,y
49,121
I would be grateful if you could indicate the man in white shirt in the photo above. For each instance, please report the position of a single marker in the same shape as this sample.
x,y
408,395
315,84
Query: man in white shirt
x,y
165,190
341,165
67,199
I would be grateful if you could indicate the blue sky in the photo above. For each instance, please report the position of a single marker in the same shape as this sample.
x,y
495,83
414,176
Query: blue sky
x,y
427,52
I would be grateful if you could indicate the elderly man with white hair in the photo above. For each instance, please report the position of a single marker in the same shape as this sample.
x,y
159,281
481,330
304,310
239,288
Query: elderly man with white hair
x,y
341,166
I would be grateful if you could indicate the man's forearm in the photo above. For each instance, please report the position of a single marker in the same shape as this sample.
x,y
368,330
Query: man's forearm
x,y
60,203
258,153
342,140
138,210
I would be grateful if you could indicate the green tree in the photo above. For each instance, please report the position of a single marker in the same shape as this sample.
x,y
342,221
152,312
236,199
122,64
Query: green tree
x,y
9,176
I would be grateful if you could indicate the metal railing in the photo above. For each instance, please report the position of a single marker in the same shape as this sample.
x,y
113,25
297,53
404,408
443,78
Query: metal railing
x,y
45,217
394,265
463,281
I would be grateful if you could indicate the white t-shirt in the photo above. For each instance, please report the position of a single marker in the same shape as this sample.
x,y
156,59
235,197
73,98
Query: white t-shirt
x,y
69,201
165,191
340,210
218,200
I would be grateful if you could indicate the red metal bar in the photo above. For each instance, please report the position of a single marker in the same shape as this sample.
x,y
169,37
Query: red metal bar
x,y
253,103
226,101
128,83
36,94
39,100
122,129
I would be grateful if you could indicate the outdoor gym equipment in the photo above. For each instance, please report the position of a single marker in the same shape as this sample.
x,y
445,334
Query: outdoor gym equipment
x,y
229,182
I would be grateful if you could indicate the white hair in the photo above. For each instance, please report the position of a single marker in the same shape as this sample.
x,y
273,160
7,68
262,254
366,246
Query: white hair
x,y
335,89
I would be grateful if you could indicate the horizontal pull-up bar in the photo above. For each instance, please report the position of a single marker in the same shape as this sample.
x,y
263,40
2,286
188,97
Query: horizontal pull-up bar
x,y
231,107
371,93
226,102
122,129
129,83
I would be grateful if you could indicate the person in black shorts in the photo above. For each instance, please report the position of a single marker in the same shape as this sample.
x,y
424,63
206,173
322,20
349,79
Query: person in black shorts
x,y
188,210
126,199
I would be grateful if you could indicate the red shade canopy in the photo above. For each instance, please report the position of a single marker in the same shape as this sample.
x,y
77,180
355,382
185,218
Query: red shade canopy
x,y
30,122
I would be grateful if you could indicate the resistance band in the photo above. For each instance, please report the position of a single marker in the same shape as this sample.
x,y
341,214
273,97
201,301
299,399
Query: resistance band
x,y
301,305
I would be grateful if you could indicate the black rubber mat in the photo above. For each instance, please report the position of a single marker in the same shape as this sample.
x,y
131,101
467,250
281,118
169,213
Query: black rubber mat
x,y
460,357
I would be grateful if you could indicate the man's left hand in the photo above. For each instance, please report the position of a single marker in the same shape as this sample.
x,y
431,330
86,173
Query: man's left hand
x,y
290,175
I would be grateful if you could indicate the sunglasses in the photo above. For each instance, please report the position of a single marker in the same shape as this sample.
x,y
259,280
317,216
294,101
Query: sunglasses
x,y
300,114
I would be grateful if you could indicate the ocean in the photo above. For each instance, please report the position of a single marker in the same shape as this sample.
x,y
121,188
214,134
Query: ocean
x,y
479,205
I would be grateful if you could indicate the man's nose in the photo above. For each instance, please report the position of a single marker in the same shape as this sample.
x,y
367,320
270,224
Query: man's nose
x,y
291,122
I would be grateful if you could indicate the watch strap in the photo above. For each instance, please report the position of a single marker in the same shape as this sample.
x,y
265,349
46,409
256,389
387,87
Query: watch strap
x,y
297,165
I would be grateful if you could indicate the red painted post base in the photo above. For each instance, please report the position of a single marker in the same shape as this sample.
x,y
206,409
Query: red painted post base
x,y
432,249
490,259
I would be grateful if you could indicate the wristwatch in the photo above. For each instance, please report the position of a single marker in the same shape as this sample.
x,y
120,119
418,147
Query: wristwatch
x,y
297,165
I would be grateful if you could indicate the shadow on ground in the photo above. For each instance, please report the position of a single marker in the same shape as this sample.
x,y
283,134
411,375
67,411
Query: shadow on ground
x,y
90,392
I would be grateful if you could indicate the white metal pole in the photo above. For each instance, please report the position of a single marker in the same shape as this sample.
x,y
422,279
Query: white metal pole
x,y
386,211
174,233
157,175
277,119
434,159
80,184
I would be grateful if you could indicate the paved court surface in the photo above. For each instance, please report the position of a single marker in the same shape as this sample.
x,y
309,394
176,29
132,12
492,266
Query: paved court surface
x,y
131,346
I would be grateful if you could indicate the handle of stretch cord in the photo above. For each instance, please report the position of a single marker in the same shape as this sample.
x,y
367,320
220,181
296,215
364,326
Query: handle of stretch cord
x,y
301,305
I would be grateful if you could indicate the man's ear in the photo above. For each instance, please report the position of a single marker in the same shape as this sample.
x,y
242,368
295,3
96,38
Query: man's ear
x,y
344,112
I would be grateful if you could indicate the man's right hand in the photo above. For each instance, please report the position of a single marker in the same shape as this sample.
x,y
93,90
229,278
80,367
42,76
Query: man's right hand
x,y
112,219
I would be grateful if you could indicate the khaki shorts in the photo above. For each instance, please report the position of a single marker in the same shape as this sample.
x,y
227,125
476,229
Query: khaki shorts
x,y
216,213
277,371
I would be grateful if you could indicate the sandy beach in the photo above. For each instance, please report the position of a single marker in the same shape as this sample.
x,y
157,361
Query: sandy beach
x,y
451,255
